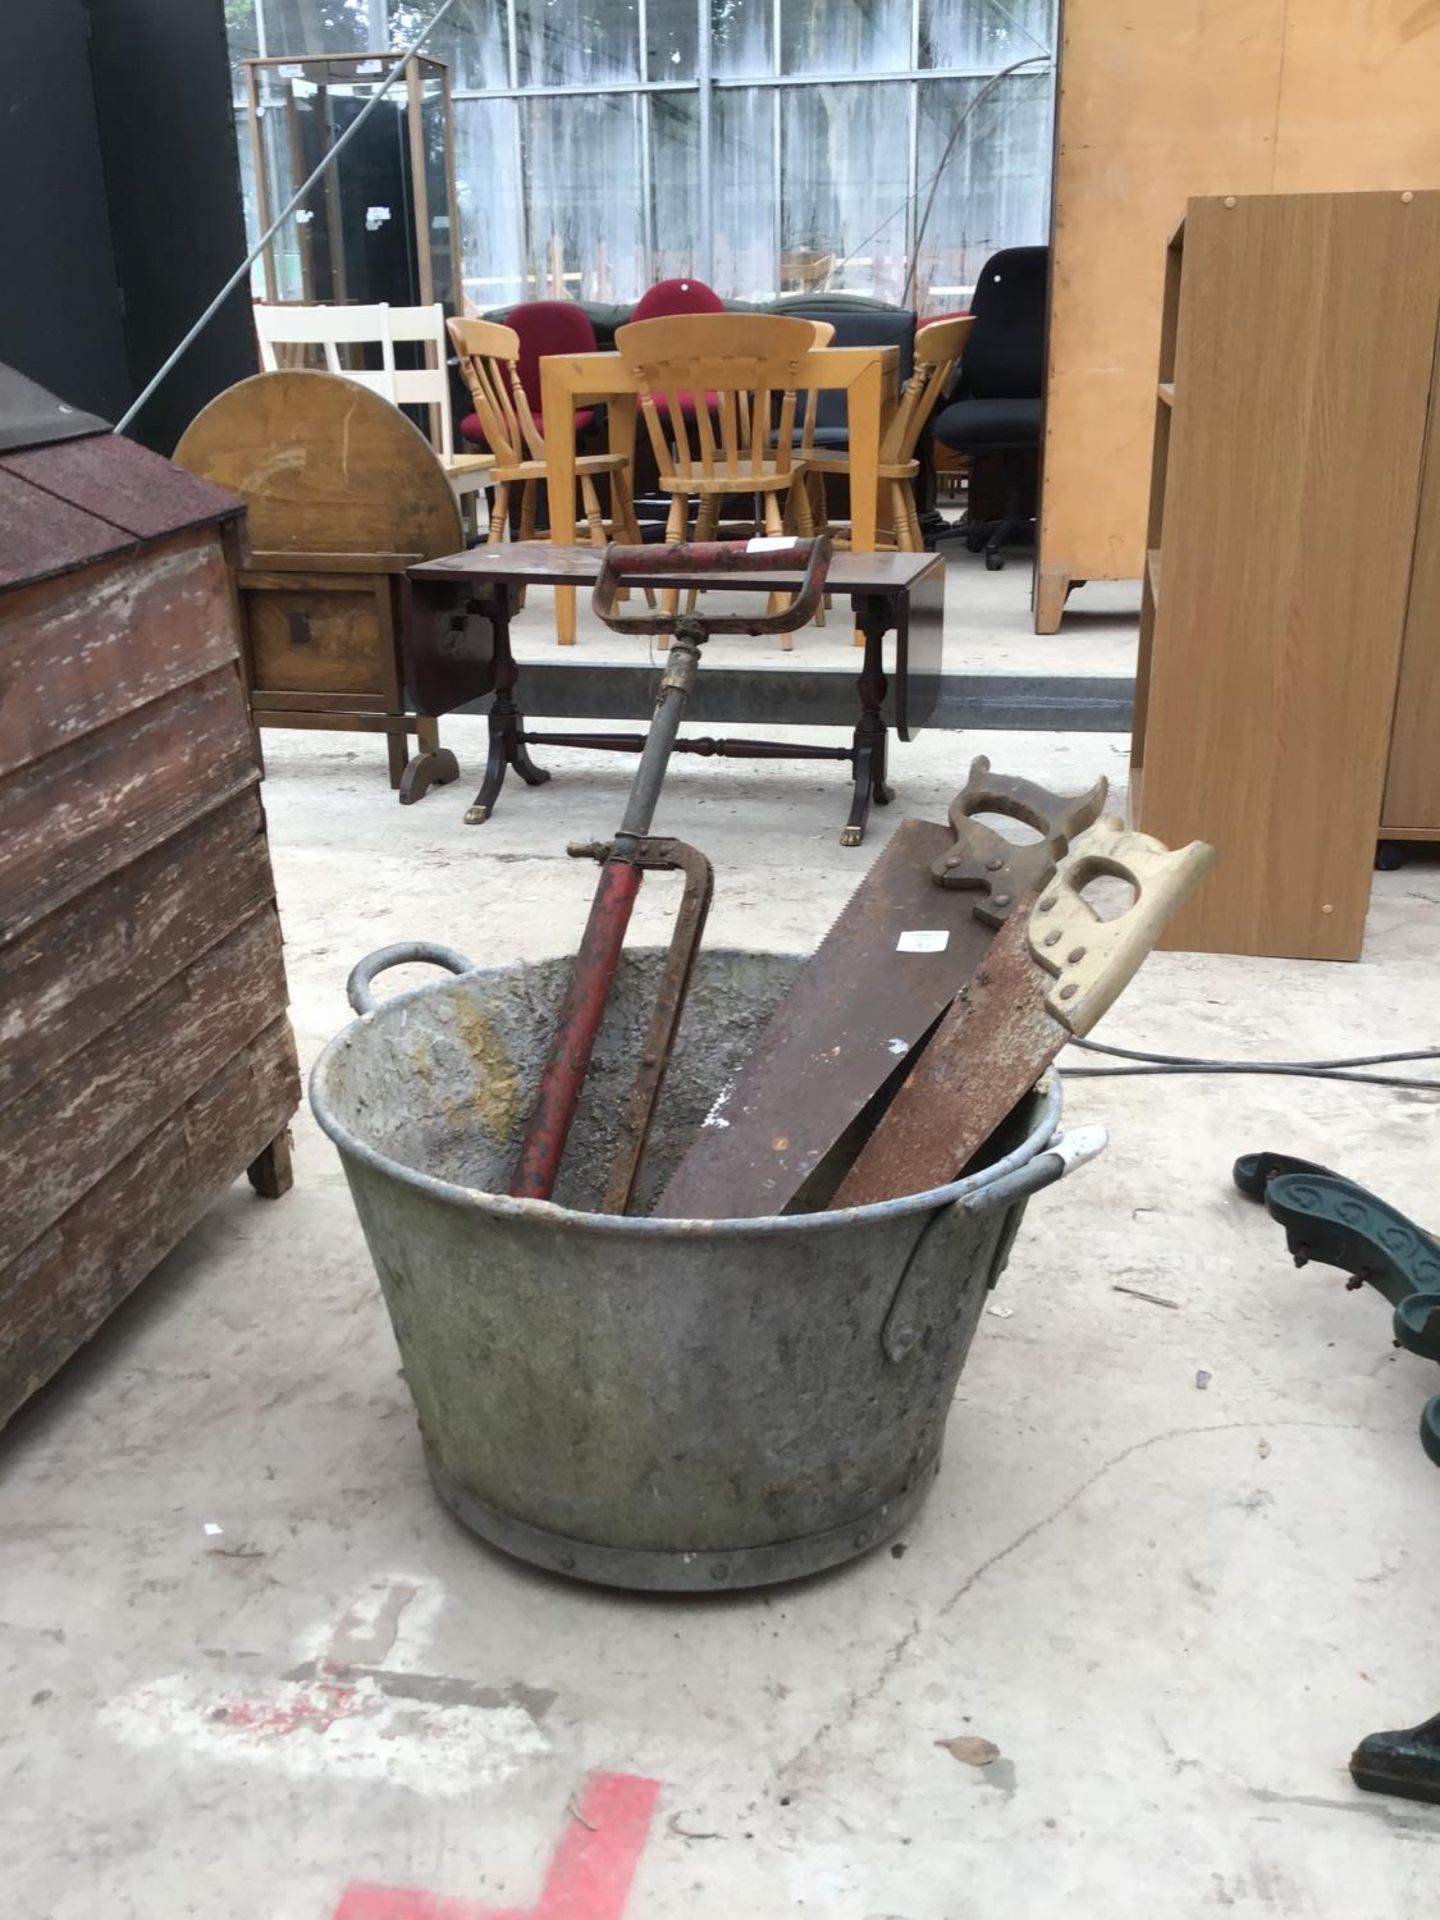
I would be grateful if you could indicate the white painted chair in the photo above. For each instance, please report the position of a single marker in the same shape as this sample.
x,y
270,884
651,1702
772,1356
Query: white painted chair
x,y
331,328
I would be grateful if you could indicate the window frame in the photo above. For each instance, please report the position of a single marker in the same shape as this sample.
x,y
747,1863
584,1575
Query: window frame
x,y
1035,57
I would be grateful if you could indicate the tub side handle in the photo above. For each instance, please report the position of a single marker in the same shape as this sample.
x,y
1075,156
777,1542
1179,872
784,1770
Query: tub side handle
x,y
900,1332
1069,1150
403,953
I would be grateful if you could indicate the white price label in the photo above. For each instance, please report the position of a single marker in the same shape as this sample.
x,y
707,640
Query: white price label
x,y
923,940
769,543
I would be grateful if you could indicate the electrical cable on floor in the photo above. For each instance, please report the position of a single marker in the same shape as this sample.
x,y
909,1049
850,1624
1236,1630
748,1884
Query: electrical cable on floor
x,y
1180,1063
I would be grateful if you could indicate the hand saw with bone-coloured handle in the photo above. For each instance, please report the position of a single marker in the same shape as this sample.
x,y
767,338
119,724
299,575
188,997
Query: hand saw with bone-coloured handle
x,y
1050,972
893,961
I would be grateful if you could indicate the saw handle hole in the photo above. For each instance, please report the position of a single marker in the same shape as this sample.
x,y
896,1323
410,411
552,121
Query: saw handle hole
x,y
1109,896
1019,832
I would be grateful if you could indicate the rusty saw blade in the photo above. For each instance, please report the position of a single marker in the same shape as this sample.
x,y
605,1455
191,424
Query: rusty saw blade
x,y
1049,974
879,980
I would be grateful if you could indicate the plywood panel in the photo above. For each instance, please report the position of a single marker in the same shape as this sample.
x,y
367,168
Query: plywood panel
x,y
1162,100
1358,96
1412,783
1279,622
1159,100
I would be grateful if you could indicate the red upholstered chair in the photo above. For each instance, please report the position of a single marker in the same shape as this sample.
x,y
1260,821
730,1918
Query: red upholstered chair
x,y
677,296
543,327
666,299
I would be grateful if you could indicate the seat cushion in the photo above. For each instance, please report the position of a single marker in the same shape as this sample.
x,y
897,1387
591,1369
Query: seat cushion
x,y
825,439
988,426
472,431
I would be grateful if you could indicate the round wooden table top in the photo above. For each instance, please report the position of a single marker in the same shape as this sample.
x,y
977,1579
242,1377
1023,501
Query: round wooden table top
x,y
324,466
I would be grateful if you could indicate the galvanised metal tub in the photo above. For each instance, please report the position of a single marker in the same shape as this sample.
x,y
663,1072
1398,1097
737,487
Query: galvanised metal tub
x,y
678,1405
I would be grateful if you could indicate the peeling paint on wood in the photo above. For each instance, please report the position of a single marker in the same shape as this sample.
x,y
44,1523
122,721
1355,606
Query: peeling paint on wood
x,y
77,971
65,1284
145,1057
85,649
68,1131
106,799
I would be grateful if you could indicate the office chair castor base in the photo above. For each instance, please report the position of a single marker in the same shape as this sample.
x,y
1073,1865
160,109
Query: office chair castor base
x,y
1390,855
994,562
975,538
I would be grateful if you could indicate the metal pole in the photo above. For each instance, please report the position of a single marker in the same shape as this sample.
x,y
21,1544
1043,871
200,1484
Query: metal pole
x,y
912,156
645,119
777,154
681,669
707,172
270,232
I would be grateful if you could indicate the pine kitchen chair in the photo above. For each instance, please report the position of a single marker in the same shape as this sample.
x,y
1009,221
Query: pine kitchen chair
x,y
739,444
489,357
938,348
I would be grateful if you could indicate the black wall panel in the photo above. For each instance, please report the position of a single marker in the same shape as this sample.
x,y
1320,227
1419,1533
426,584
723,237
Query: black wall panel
x,y
167,134
60,311
120,208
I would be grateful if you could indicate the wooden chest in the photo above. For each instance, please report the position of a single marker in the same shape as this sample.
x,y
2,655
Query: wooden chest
x,y
145,1054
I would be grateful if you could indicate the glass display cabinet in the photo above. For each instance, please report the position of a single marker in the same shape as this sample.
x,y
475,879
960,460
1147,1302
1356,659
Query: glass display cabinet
x,y
383,224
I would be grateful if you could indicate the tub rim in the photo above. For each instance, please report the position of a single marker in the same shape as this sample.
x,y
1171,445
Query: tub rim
x,y
503,1206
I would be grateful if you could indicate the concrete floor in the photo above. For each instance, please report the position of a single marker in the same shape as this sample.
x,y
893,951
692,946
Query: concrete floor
x,y
1172,1609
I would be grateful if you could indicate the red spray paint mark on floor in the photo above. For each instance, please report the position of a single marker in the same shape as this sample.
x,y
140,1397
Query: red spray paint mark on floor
x,y
313,1710
590,1870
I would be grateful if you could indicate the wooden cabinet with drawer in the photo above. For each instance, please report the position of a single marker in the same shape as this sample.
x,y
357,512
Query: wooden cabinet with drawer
x,y
343,495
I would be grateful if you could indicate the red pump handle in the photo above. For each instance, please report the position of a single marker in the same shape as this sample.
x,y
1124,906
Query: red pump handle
x,y
679,565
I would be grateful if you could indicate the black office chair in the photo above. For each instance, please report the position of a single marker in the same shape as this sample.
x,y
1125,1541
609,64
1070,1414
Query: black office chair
x,y
997,407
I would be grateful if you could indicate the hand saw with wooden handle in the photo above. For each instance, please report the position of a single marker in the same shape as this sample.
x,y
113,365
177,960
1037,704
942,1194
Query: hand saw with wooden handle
x,y
894,959
1050,972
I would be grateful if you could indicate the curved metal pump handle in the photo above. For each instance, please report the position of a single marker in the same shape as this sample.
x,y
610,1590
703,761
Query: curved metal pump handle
x,y
677,566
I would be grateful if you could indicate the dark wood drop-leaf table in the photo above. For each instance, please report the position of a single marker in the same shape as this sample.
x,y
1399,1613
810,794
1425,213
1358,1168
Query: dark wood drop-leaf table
x,y
455,634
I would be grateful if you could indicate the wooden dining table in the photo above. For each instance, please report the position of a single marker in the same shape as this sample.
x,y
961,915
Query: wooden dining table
x,y
869,377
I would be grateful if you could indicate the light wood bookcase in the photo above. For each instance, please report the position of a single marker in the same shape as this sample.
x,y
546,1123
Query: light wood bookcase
x,y
1287,697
